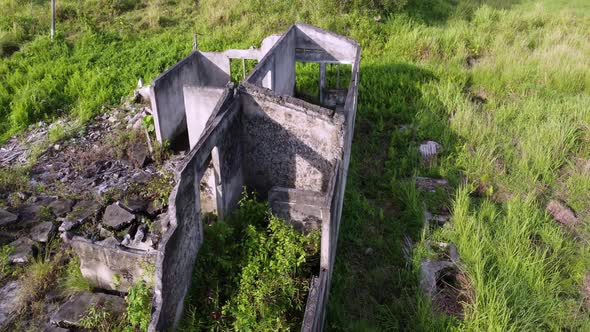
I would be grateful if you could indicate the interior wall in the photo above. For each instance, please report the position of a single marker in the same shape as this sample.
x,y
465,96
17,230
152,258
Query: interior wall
x,y
276,70
167,95
288,145
181,243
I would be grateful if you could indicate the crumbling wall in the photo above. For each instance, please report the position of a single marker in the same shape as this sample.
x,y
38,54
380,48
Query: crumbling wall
x,y
181,243
288,143
167,90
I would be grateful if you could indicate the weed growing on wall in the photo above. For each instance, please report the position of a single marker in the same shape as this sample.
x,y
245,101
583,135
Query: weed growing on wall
x,y
252,273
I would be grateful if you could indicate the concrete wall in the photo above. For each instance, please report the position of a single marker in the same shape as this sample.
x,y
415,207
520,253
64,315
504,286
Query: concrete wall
x,y
287,142
167,90
276,70
199,103
181,243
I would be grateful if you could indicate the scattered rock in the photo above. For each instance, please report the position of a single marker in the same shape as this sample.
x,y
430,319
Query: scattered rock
x,y
160,225
61,207
7,218
42,232
430,271
436,219
429,151
135,205
72,312
82,212
9,293
138,155
116,217
562,213
28,215
23,249
430,184
51,328
368,251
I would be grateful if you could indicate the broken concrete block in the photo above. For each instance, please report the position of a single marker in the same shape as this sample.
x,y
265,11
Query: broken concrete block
x,y
22,251
110,266
76,308
42,232
117,217
7,218
429,151
430,272
9,293
563,214
82,212
51,328
61,207
28,215
430,184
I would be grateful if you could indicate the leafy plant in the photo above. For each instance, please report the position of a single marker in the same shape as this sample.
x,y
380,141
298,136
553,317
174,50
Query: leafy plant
x,y
148,123
5,268
73,281
139,305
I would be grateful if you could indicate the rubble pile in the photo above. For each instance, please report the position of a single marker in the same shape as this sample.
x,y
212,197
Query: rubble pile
x,y
101,194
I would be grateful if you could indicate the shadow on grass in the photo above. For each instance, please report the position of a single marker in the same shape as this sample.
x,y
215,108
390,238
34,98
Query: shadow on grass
x,y
374,287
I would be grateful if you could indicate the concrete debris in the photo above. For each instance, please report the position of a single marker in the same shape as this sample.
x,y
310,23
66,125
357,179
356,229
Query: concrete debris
x,y
82,212
430,184
436,219
42,232
117,217
110,266
22,250
429,151
135,205
563,214
61,207
74,310
430,272
7,218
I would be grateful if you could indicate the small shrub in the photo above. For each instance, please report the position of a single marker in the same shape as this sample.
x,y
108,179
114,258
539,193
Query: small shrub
x,y
139,305
8,46
5,268
99,319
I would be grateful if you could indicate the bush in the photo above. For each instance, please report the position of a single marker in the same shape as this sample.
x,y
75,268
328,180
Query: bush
x,y
139,305
252,273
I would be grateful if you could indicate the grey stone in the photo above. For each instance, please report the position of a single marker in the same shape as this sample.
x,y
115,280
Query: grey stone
x,y
138,154
429,151
430,184
135,205
29,215
41,232
9,295
22,250
429,274
116,217
74,310
7,218
563,214
61,207
51,328
83,211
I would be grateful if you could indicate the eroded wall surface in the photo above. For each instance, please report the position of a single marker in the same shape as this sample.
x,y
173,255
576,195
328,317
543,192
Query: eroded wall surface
x,y
288,143
184,237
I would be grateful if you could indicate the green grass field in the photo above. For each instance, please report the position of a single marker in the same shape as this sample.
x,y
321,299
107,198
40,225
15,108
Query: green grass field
x,y
503,85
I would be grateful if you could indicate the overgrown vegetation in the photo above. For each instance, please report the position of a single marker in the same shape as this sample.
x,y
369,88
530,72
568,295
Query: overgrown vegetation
x,y
503,85
252,273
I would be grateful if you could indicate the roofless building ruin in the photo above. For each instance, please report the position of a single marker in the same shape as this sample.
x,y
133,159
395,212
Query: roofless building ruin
x,y
264,134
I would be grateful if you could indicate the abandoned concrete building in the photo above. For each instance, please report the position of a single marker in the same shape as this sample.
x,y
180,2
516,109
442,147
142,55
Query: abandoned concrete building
x,y
262,135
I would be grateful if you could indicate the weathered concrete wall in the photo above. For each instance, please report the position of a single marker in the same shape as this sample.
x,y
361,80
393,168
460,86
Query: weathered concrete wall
x,y
167,91
288,143
276,70
305,209
181,243
199,103
318,45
